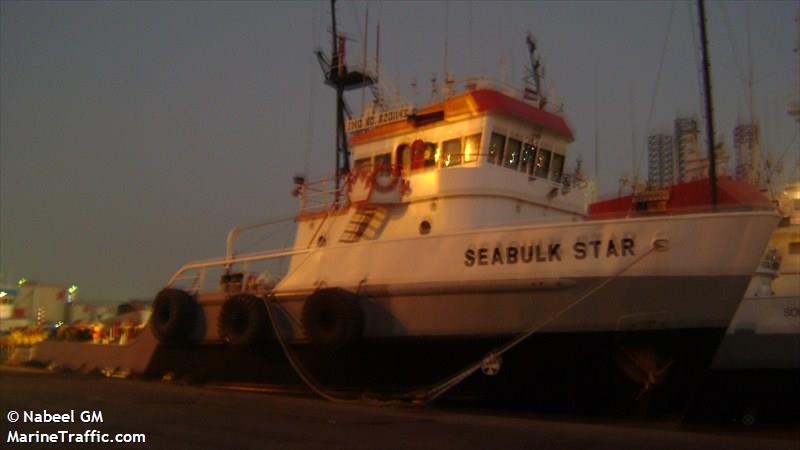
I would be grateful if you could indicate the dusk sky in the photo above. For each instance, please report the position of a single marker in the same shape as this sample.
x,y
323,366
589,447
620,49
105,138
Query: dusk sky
x,y
133,135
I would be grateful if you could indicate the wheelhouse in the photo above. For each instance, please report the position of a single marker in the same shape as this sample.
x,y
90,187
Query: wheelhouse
x,y
481,143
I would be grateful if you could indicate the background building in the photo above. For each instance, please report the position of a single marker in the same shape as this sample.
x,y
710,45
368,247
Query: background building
x,y
748,153
682,157
661,161
687,149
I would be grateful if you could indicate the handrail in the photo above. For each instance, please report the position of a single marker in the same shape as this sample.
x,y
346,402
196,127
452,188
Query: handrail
x,y
229,261
234,232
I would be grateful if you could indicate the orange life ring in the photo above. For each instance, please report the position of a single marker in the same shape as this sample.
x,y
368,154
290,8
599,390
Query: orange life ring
x,y
384,188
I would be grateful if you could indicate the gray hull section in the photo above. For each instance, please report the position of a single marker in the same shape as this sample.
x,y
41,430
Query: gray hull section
x,y
566,306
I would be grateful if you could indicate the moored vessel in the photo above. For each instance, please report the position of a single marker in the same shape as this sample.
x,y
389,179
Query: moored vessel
x,y
457,239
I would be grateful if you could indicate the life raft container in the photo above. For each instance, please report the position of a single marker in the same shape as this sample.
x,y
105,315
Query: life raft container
x,y
243,321
333,319
174,316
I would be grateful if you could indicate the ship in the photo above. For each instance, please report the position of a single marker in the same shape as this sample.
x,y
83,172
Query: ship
x,y
457,252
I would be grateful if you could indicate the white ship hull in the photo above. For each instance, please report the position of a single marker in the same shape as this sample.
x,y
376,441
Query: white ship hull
x,y
495,282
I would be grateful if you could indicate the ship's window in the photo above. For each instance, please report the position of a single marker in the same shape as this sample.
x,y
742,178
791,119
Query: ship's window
x,y
362,166
431,154
496,147
383,162
424,227
472,147
542,163
528,152
403,159
423,155
794,248
512,153
451,152
557,167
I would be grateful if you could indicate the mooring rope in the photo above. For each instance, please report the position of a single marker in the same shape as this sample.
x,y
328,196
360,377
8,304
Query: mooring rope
x,y
424,398
439,389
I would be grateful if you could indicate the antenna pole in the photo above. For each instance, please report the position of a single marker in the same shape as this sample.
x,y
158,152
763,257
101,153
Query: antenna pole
x,y
596,132
336,63
366,34
712,159
446,32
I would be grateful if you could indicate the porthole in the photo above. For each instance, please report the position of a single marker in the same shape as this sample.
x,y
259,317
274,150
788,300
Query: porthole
x,y
321,241
424,227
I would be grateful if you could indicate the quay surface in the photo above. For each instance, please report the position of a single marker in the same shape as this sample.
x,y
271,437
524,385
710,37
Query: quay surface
x,y
204,417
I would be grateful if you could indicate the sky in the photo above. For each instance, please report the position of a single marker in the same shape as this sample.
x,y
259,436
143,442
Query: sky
x,y
133,135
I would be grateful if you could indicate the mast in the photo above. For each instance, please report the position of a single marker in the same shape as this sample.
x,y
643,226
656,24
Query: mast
x,y
340,78
712,159
336,76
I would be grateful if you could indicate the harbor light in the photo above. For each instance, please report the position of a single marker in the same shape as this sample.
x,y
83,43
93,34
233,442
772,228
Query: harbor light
x,y
22,281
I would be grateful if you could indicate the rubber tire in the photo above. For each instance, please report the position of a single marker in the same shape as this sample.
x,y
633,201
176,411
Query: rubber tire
x,y
174,316
243,321
333,319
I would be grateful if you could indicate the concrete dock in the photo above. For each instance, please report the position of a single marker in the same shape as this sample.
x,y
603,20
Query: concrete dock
x,y
173,416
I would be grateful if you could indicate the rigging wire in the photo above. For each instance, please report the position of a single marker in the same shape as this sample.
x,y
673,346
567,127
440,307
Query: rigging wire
x,y
696,52
747,81
469,43
596,127
311,91
655,89
364,54
446,32
354,9
739,70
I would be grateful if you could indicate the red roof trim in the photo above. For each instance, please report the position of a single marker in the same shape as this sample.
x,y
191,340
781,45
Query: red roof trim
x,y
479,101
687,197
496,102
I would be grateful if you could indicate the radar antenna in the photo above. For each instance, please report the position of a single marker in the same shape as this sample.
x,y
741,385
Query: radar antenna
x,y
535,73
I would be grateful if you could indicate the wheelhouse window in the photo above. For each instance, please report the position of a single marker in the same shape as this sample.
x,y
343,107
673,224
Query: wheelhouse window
x,y
512,153
496,147
528,153
557,167
362,166
403,159
383,162
542,165
423,155
451,152
472,147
